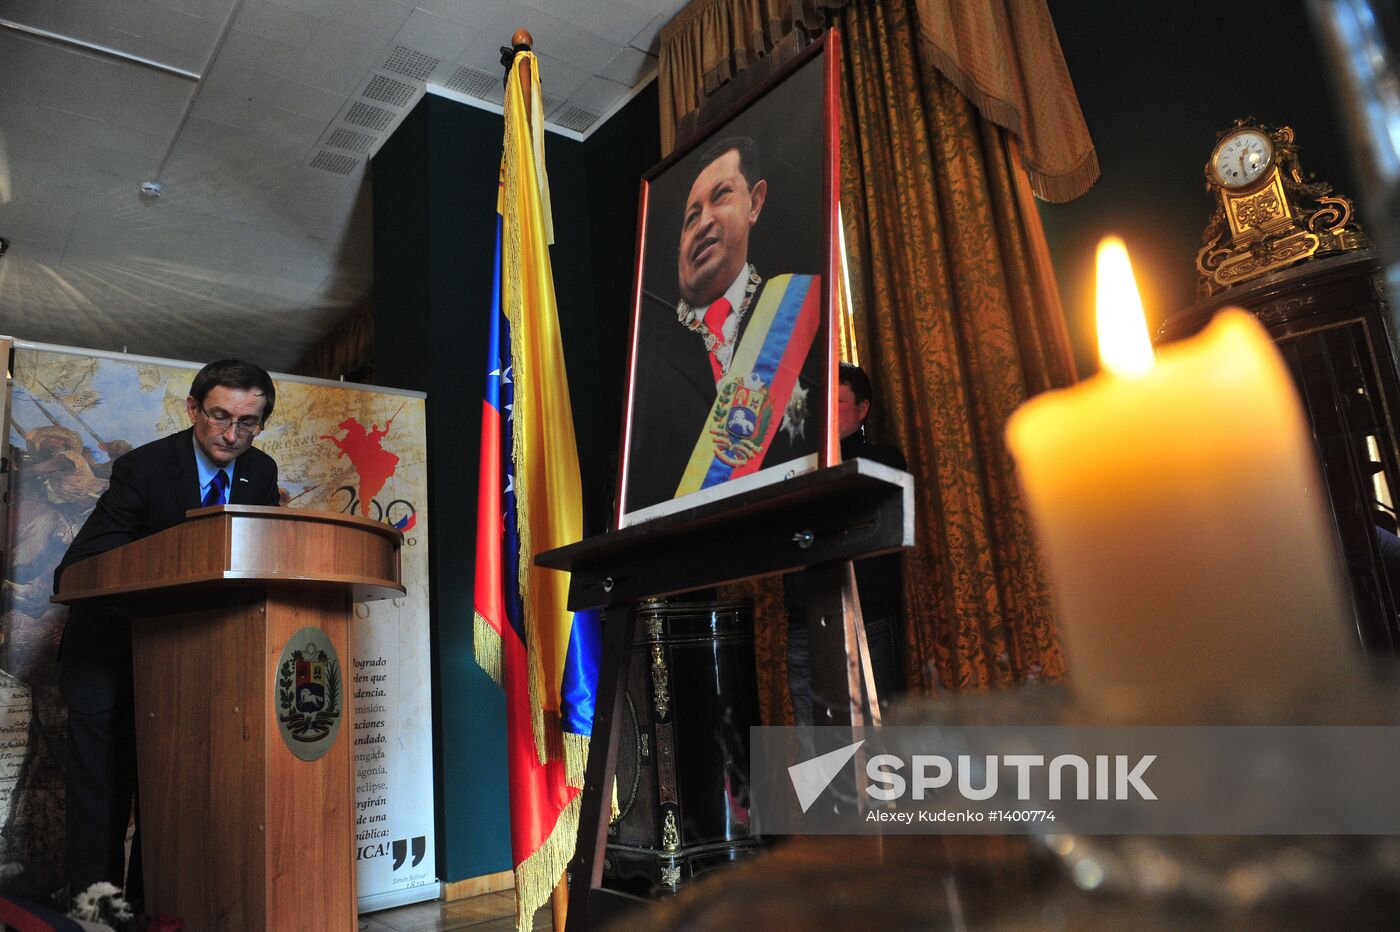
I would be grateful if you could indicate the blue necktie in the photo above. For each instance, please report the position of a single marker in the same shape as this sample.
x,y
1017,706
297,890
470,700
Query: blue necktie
x,y
217,488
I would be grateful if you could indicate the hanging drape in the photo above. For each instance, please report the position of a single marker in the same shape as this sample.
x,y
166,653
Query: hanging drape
x,y
1003,55
959,317
957,313
346,352
710,41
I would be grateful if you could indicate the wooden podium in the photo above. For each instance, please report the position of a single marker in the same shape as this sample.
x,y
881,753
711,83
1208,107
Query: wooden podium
x,y
237,831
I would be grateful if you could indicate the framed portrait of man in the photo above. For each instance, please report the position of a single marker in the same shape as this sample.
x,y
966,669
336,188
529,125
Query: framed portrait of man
x,y
731,356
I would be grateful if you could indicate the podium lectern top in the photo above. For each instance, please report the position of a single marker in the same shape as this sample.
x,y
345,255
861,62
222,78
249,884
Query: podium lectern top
x,y
235,544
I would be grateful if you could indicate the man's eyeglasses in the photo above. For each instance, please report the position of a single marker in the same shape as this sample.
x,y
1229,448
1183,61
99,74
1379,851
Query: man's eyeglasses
x,y
246,426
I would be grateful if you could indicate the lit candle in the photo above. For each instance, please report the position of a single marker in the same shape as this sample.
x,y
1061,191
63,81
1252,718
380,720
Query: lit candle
x,y
1181,516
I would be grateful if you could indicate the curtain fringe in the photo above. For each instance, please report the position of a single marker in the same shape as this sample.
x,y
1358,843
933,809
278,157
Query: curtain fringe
x,y
1001,112
740,58
1057,188
1065,186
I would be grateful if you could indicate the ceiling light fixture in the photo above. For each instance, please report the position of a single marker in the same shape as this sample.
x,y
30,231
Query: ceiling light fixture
x,y
150,189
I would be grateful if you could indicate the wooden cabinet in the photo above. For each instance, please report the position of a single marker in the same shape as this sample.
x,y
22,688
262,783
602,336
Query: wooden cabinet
x,y
1332,324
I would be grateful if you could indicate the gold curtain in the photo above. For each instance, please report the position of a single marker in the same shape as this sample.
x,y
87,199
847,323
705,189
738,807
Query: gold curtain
x,y
710,41
959,317
1003,55
346,352
957,312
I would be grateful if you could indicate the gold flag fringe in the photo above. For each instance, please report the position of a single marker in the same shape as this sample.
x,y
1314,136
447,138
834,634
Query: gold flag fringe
x,y
537,875
553,736
576,765
544,721
486,645
575,758
513,292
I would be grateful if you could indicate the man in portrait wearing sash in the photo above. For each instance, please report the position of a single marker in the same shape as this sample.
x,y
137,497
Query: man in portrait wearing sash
x,y
727,379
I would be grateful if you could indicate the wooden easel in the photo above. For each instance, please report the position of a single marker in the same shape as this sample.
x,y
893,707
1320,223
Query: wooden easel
x,y
815,524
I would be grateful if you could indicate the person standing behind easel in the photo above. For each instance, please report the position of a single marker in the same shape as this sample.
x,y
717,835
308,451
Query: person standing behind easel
x,y
878,579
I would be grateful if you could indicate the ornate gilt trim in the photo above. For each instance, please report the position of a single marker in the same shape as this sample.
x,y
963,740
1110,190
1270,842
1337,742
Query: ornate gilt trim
x,y
671,875
660,682
670,832
1285,217
665,765
1259,209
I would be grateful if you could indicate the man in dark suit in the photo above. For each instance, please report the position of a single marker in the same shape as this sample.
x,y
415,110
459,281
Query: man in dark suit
x,y
210,463
879,580
725,378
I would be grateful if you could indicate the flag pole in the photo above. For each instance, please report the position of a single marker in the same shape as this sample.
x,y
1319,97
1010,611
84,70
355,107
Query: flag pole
x,y
522,41
559,902
545,658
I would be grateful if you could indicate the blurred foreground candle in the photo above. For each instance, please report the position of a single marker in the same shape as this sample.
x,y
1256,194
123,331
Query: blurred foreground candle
x,y
1181,515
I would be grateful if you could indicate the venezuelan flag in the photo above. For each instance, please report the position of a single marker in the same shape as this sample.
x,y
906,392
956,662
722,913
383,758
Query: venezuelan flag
x,y
530,500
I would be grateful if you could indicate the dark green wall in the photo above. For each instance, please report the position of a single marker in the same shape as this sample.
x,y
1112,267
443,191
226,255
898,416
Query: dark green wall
x,y
1156,82
435,184
434,203
617,156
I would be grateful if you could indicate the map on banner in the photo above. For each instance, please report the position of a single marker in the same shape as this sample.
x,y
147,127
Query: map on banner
x,y
347,449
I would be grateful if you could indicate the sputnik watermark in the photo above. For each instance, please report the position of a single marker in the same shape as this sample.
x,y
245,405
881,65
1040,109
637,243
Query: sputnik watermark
x,y
935,772
810,777
1091,780
962,815
1114,777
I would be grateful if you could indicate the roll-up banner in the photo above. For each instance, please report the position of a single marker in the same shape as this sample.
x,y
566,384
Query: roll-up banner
x,y
339,447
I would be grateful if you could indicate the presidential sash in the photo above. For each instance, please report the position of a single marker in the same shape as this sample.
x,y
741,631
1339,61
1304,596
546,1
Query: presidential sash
x,y
751,398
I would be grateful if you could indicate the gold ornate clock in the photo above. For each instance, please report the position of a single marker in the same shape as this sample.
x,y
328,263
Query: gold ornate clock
x,y
1267,215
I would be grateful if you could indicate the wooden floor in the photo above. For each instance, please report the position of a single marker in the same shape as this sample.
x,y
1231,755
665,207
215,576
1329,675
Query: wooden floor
x,y
490,911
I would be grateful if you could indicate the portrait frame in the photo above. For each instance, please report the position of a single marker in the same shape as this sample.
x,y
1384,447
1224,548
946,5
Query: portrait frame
x,y
700,426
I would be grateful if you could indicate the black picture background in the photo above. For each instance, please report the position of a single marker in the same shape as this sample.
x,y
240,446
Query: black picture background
x,y
672,396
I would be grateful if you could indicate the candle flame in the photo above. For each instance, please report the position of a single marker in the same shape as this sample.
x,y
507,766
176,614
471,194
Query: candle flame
x,y
1124,346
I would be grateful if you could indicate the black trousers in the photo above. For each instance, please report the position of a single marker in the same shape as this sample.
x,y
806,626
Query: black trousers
x,y
881,631
101,788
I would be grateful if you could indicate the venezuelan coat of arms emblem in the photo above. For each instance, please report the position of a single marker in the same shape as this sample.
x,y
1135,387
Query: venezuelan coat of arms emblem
x,y
309,694
739,420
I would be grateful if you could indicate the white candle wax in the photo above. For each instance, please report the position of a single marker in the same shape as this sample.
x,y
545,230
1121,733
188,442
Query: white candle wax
x,y
1184,527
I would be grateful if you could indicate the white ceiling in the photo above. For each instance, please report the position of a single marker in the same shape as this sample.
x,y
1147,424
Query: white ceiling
x,y
260,238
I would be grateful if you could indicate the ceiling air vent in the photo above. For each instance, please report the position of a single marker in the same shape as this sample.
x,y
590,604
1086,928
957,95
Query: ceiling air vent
x,y
576,119
388,91
343,138
471,82
369,117
334,162
410,63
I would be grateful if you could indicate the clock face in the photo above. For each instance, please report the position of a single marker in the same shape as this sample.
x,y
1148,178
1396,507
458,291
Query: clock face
x,y
1241,158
